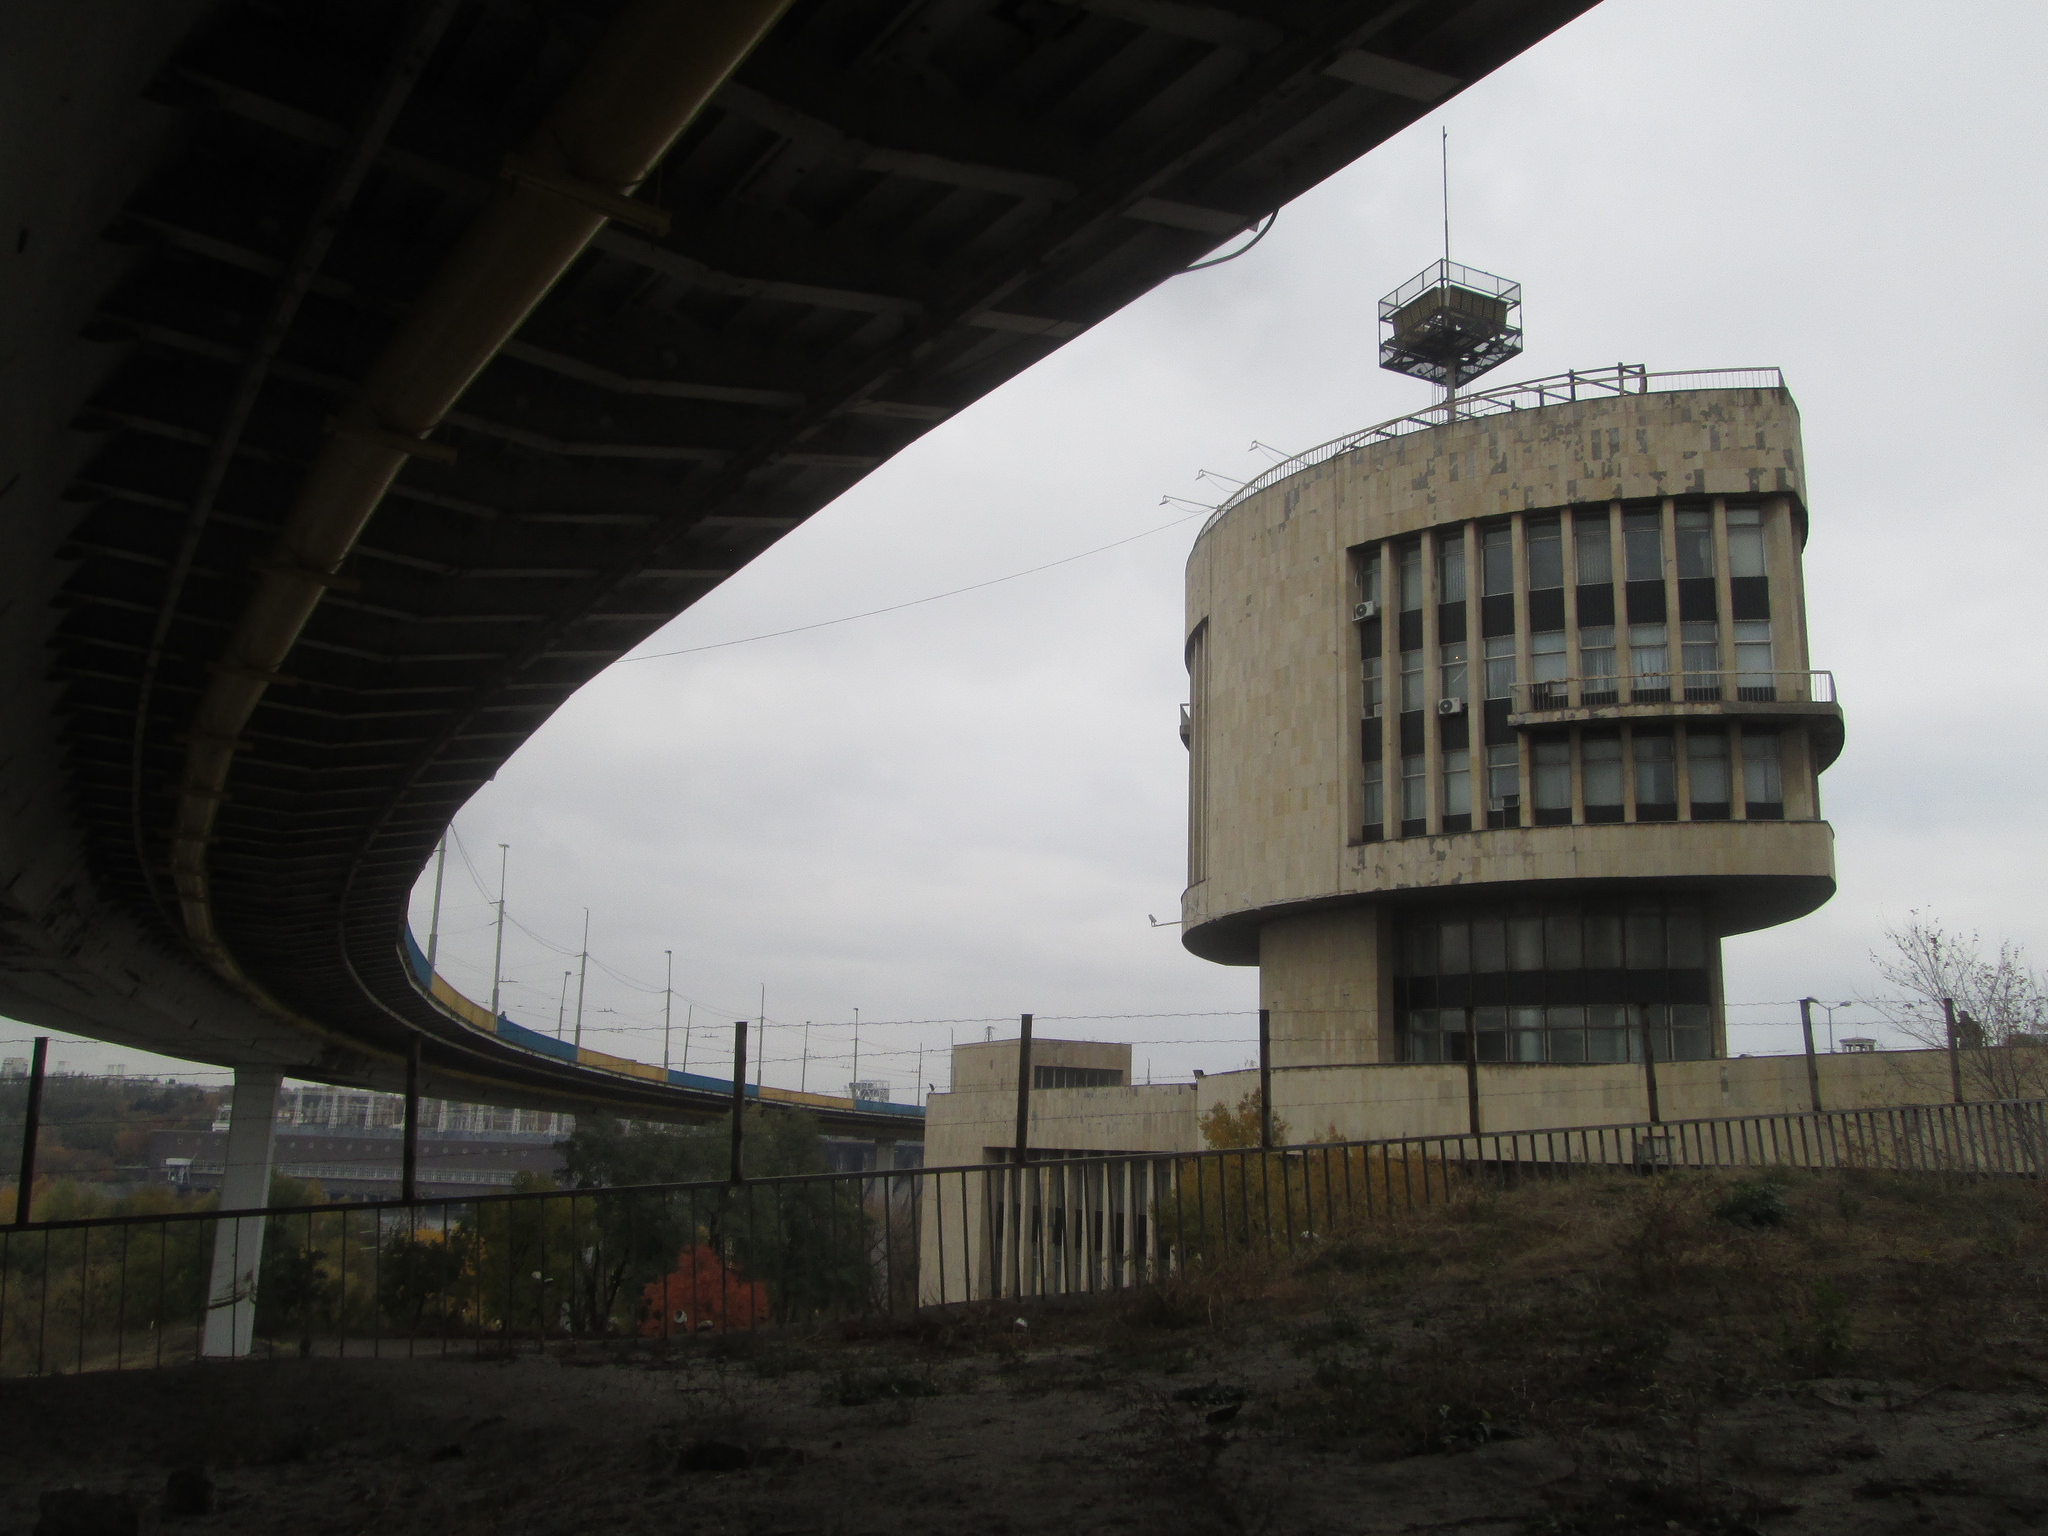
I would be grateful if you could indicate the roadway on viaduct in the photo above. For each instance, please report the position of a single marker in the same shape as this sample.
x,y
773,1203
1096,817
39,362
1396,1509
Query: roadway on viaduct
x,y
377,371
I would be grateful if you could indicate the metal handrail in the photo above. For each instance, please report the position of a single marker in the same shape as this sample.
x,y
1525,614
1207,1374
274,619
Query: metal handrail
x,y
1734,686
1532,394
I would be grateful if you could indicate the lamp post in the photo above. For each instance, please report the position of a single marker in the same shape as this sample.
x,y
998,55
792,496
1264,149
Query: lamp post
x,y
1829,1010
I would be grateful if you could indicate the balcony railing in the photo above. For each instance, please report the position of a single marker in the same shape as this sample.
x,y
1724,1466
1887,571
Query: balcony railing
x,y
1734,687
1533,394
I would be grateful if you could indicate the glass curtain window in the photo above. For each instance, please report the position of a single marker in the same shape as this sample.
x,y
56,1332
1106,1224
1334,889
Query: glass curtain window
x,y
1553,776
1503,775
1411,577
1549,665
1754,677
1706,767
1745,541
1374,689
1695,553
1543,544
1700,643
1451,662
1500,667
1450,568
1596,664
1763,786
1642,535
1414,793
1411,681
1600,761
1458,783
1369,577
1593,549
1375,798
1496,561
1649,660
1656,786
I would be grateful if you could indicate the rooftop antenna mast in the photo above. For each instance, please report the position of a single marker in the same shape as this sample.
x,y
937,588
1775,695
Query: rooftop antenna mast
x,y
1449,324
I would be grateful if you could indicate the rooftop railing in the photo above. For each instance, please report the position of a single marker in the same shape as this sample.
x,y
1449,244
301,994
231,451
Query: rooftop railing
x,y
1735,687
1533,394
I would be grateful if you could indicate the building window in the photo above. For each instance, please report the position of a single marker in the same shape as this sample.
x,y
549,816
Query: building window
x,y
1520,984
1077,1077
1549,666
1458,790
1706,771
1412,695
1642,537
1503,785
1552,782
1374,775
1500,667
1695,553
1597,683
1375,689
1649,663
1763,788
1411,577
1593,548
1543,547
1450,568
1656,784
1600,771
1745,542
1369,576
1700,647
1754,677
1497,561
1414,797
1451,663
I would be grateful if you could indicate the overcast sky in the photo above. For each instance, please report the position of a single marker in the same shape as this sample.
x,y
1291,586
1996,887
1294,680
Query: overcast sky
x,y
967,809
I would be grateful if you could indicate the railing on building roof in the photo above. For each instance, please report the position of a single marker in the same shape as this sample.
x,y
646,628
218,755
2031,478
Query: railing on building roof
x,y
1531,394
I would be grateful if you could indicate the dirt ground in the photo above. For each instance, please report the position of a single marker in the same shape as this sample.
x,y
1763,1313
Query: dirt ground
x,y
1675,1354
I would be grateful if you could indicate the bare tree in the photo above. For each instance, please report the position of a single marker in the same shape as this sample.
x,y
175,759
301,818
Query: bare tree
x,y
2001,1004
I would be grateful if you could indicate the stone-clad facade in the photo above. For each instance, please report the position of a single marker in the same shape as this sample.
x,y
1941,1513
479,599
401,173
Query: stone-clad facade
x,y
1498,727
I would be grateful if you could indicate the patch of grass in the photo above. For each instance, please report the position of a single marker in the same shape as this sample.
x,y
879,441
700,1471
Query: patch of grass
x,y
1754,1203
1818,1339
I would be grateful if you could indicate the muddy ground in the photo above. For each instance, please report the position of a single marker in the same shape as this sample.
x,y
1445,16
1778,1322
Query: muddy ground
x,y
1833,1354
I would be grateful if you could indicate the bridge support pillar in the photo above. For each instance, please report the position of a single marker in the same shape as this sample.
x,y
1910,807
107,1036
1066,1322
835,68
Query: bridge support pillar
x,y
245,1184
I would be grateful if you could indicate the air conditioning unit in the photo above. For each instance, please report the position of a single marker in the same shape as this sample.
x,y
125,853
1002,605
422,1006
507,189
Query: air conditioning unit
x,y
1506,803
1450,706
1368,609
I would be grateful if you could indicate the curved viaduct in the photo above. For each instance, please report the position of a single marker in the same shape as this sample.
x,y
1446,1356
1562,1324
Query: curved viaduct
x,y
376,373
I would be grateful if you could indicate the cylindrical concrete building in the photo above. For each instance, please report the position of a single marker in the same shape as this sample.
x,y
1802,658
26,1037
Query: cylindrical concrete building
x,y
1498,725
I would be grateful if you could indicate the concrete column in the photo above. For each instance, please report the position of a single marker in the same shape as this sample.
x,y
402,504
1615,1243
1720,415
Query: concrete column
x,y
245,1184
1432,672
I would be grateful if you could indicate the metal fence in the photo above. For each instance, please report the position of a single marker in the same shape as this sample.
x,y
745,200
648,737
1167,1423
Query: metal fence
x,y
654,1265
1530,394
1746,686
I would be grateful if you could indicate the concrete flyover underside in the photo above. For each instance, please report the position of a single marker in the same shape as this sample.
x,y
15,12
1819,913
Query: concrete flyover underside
x,y
377,373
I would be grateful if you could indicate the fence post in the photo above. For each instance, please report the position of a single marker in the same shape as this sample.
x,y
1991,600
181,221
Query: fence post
x,y
408,1189
1812,1062
1023,1088
1955,1060
31,1121
1266,1078
1472,1082
1649,1067
739,1090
